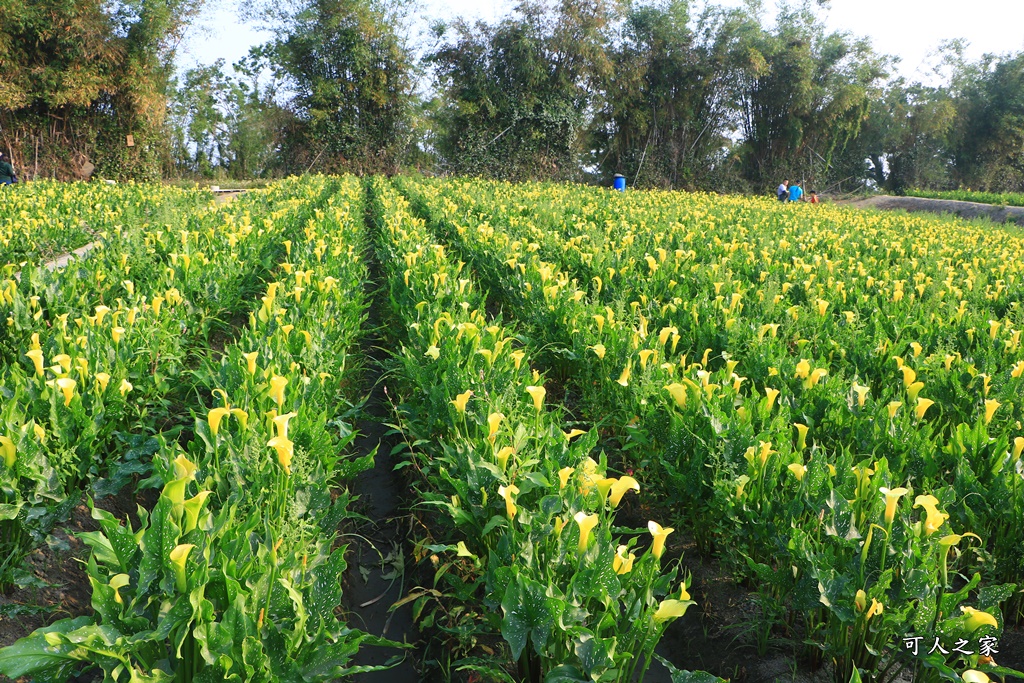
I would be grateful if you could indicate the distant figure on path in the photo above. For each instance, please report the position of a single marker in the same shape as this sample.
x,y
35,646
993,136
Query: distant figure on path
x,y
783,191
7,176
795,193
814,198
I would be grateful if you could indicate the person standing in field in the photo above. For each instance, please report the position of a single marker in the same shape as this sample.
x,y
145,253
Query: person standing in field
x,y
795,192
7,176
783,191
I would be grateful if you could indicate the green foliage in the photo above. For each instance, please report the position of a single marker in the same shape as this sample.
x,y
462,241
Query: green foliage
x,y
517,95
996,198
989,151
226,125
78,77
802,95
666,107
350,75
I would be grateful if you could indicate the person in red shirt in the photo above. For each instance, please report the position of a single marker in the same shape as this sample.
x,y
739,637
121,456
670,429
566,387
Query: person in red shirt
x,y
814,198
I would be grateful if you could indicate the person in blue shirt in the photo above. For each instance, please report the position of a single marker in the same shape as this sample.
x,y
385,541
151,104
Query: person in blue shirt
x,y
795,192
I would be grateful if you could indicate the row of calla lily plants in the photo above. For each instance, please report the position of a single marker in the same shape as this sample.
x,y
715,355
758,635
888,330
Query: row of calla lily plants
x,y
100,354
46,218
835,408
233,575
522,537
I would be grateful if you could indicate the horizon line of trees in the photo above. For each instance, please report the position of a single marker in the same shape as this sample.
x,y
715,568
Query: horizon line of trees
x,y
668,95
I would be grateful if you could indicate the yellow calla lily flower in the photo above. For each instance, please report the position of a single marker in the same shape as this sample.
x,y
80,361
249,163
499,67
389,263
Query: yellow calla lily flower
x,y
991,405
184,468
101,311
241,416
678,393
250,361
803,369
102,379
622,563
125,387
461,400
1018,370
281,424
977,618
179,556
67,387
586,523
277,385
860,600
923,404
214,417
798,470
934,519
503,455
9,451
493,424
660,534
892,498
117,582
563,476
285,451
36,356
620,487
975,676
537,394
801,435
507,492
671,609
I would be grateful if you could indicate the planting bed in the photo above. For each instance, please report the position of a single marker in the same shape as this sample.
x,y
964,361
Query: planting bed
x,y
421,429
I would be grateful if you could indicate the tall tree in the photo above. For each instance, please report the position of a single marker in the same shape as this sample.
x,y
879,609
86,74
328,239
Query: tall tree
x,y
667,109
802,94
989,149
226,124
517,97
350,75
79,76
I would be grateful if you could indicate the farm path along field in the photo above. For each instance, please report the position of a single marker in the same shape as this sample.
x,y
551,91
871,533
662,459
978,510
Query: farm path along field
x,y
962,209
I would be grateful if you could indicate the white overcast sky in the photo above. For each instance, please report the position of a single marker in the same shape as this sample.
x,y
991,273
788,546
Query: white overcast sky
x,y
910,29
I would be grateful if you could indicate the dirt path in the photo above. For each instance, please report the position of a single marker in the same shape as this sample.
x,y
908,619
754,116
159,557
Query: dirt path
x,y
998,214
377,574
62,261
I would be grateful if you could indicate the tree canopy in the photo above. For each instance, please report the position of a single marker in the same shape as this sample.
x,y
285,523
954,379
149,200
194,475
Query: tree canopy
x,y
663,93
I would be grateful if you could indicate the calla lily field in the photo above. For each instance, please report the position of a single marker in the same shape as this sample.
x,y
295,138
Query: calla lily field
x,y
584,388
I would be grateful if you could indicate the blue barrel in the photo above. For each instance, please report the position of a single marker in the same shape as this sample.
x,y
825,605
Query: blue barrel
x,y
619,182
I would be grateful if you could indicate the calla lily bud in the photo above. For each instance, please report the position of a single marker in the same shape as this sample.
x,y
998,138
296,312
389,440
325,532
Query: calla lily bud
x,y
179,556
